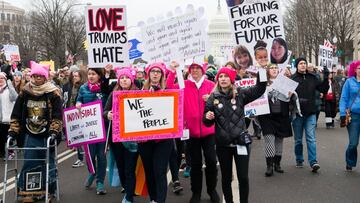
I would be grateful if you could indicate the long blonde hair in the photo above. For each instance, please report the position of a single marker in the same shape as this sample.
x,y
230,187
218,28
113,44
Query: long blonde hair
x,y
162,83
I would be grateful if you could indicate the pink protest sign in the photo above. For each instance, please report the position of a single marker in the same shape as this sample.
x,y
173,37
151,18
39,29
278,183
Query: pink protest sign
x,y
144,115
85,126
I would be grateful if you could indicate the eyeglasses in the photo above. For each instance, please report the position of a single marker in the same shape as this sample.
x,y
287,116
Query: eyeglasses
x,y
156,71
37,76
273,67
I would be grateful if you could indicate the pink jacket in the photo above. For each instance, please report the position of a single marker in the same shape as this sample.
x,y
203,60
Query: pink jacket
x,y
194,105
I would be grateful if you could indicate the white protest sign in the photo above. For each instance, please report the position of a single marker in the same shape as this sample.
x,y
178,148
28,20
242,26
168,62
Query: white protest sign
x,y
85,126
257,107
284,84
178,38
106,34
254,21
325,56
11,52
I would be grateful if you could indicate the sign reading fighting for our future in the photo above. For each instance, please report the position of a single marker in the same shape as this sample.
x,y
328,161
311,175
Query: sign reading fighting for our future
x,y
85,126
143,115
106,35
178,38
325,56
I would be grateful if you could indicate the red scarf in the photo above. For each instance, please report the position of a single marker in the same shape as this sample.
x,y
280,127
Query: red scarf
x,y
94,87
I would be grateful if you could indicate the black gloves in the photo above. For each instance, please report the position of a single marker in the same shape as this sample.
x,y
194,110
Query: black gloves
x,y
342,121
326,73
55,136
12,137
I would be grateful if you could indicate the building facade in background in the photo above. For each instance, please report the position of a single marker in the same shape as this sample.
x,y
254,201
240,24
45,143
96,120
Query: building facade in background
x,y
10,21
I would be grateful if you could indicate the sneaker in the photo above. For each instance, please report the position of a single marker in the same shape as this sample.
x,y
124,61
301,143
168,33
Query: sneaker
x,y
89,180
214,197
100,189
187,172
177,188
348,168
315,167
299,164
125,200
195,198
78,164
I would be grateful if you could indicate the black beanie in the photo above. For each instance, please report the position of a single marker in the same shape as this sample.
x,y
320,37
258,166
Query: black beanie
x,y
297,61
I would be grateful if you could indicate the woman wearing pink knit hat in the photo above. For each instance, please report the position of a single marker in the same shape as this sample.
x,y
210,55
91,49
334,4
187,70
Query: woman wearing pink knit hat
x,y
225,109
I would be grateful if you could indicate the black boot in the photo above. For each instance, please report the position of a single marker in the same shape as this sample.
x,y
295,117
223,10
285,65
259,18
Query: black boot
x,y
269,166
277,166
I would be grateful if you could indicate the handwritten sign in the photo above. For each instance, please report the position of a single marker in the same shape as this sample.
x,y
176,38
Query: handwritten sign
x,y
85,126
284,84
257,107
178,39
11,52
144,115
106,35
325,56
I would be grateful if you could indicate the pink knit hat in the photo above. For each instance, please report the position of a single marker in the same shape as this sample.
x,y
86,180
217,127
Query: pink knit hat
x,y
352,68
230,72
38,69
127,71
203,67
162,67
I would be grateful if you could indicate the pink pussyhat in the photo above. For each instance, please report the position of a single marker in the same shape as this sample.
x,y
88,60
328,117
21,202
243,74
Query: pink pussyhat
x,y
127,71
38,69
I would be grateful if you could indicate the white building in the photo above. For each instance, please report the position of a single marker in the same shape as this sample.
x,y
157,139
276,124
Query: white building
x,y
10,21
220,38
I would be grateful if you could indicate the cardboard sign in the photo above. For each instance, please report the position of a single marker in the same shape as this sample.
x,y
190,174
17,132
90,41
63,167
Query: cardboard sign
x,y
144,115
325,57
85,126
51,63
257,107
252,21
11,52
106,34
177,39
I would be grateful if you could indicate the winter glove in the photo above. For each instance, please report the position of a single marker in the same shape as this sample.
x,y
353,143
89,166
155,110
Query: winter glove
x,y
342,121
55,136
326,73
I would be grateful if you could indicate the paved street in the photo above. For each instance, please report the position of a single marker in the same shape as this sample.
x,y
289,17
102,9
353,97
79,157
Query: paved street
x,y
331,184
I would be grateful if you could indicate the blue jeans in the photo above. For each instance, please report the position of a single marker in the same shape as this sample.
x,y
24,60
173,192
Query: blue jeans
x,y
32,141
354,133
98,158
299,125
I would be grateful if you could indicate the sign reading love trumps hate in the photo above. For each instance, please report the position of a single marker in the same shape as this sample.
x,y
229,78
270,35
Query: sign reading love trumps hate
x,y
144,115
106,34
85,126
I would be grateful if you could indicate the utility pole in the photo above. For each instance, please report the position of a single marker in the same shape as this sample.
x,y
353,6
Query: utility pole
x,y
356,22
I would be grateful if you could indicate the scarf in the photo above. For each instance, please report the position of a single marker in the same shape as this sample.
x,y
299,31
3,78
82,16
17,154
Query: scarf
x,y
198,84
35,90
94,87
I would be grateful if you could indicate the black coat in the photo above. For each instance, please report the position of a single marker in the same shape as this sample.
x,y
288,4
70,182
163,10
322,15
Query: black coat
x,y
230,121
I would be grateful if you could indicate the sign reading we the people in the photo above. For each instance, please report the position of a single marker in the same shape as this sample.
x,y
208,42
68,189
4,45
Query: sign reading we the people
x,y
144,115
325,56
106,34
85,126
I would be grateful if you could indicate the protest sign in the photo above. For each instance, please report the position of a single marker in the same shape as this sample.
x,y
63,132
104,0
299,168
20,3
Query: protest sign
x,y
325,56
257,107
85,126
177,39
257,24
284,84
11,52
106,34
51,63
144,115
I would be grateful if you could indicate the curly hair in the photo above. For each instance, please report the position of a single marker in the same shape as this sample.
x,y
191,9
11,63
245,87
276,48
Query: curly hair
x,y
352,68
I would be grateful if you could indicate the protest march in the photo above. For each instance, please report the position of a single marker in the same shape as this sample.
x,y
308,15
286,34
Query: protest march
x,y
175,95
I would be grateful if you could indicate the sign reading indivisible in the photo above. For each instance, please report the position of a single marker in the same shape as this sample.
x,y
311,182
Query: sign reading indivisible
x,y
144,115
106,34
178,39
85,126
11,52
325,57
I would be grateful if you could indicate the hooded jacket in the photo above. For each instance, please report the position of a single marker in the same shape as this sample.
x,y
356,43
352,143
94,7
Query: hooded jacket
x,y
350,95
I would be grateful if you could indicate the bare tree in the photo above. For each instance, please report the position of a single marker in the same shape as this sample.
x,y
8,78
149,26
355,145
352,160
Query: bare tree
x,y
75,35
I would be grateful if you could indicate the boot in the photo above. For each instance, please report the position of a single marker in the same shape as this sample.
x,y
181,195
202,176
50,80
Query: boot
x,y
277,166
269,166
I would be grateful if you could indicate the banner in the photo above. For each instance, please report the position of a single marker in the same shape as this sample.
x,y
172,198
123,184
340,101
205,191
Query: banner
x,y
106,34
325,57
11,52
85,126
144,115
258,107
179,38
258,28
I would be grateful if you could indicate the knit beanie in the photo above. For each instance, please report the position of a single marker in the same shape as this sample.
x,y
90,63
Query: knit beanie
x,y
127,71
230,72
297,61
38,69
161,66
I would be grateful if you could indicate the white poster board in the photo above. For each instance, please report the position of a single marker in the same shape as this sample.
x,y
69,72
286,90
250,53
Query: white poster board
x,y
85,126
11,52
325,56
178,38
106,35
